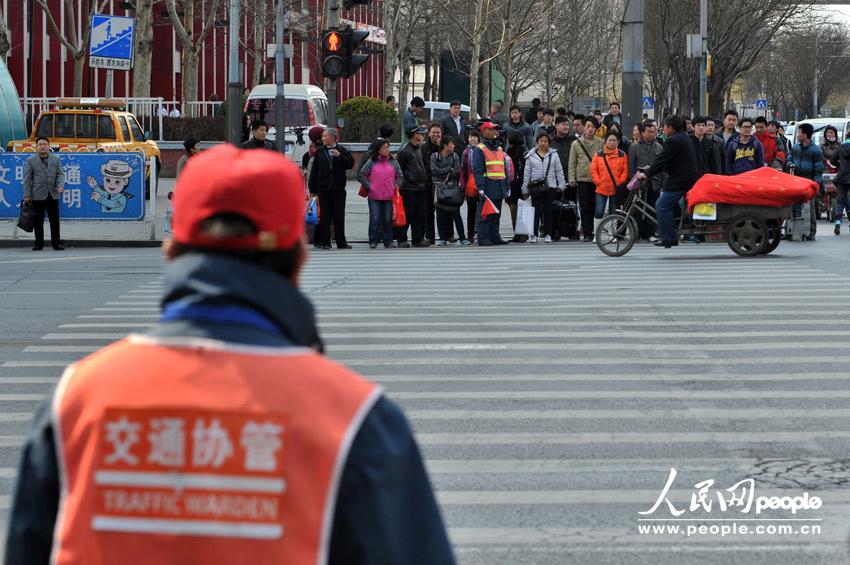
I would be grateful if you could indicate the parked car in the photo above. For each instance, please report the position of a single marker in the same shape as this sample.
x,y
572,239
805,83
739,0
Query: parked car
x,y
436,111
841,124
306,106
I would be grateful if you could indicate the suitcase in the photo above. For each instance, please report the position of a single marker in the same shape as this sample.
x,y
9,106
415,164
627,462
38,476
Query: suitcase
x,y
564,220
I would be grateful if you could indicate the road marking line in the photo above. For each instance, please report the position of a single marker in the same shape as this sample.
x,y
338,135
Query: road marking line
x,y
604,415
36,363
620,394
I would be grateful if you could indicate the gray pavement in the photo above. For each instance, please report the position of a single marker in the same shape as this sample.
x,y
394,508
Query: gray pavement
x,y
551,388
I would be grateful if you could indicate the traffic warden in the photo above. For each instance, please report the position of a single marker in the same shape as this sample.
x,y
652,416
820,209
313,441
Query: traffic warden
x,y
223,435
489,166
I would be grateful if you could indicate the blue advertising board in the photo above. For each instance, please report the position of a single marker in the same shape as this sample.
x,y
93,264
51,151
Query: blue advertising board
x,y
98,186
111,45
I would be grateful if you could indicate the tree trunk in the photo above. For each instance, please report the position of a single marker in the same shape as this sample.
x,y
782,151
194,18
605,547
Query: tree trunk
x,y
79,68
143,49
435,81
258,54
5,46
486,87
426,84
474,59
190,80
392,52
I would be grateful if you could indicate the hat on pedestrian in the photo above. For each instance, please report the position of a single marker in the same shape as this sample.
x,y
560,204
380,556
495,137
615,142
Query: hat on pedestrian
x,y
489,125
262,186
413,130
315,133
115,168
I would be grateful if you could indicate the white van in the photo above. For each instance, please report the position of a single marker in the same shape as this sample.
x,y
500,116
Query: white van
x,y
306,106
436,111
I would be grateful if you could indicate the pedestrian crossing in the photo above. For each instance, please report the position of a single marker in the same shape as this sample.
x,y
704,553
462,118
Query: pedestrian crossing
x,y
552,389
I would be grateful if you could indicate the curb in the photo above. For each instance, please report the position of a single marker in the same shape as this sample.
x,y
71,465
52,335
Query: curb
x,y
82,243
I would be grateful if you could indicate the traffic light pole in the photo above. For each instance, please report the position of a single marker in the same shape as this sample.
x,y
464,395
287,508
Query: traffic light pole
x,y
234,85
280,97
333,23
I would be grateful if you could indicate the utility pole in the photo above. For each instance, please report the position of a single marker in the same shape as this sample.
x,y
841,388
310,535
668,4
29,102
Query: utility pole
x,y
632,103
703,65
280,97
333,23
234,85
815,105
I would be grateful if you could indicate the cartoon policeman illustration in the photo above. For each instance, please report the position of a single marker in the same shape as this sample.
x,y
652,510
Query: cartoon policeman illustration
x,y
116,178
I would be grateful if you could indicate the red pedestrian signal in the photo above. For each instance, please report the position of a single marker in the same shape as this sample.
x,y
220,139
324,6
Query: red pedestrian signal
x,y
333,65
333,41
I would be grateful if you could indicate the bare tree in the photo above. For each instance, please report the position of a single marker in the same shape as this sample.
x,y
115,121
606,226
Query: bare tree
x,y
76,44
143,48
5,46
192,44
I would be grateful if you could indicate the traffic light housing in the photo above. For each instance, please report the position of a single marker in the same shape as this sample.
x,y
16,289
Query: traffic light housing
x,y
333,54
349,4
352,38
338,52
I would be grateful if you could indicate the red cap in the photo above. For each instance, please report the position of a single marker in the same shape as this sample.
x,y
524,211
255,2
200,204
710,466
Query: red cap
x,y
489,125
261,185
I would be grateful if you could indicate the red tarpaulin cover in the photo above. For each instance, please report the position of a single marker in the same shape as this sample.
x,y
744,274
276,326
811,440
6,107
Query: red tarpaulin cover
x,y
759,187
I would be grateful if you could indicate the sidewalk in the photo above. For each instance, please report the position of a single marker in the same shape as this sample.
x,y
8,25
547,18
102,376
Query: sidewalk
x,y
78,233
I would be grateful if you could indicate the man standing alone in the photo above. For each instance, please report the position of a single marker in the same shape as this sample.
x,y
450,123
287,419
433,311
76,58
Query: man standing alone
x,y
488,166
414,188
327,179
44,181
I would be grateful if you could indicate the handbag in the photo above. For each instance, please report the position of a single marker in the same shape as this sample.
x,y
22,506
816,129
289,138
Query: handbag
x,y
449,194
27,216
312,216
399,217
539,187
363,192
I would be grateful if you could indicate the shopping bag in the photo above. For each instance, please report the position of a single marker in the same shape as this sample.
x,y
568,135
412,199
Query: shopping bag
x,y
524,218
312,217
634,184
399,217
363,192
26,217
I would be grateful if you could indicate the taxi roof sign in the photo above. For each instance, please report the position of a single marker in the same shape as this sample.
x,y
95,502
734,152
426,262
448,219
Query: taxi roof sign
x,y
110,103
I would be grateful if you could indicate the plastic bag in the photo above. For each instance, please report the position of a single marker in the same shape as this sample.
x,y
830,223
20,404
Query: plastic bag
x,y
524,218
399,217
312,217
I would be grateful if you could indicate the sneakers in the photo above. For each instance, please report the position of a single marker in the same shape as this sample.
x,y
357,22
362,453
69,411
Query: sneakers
x,y
837,230
389,245
532,239
442,243
373,246
423,243
547,239
652,239
464,243
404,244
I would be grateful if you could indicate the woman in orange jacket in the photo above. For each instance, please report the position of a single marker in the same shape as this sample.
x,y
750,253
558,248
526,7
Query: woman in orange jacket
x,y
609,168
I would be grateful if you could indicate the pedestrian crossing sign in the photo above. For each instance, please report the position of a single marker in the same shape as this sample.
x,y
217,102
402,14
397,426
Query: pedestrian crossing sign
x,y
648,103
111,44
761,104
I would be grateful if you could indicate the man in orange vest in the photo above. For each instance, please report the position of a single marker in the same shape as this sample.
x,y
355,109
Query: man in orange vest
x,y
491,177
224,436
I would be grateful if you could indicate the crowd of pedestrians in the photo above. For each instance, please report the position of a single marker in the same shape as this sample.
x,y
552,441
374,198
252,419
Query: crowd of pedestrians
x,y
571,168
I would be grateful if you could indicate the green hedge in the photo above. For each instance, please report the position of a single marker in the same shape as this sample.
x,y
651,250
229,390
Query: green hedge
x,y
212,128
363,117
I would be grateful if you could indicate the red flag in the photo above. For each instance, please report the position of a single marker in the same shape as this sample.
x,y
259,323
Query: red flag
x,y
488,208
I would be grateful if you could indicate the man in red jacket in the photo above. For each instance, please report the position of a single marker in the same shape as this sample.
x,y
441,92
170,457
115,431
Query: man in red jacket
x,y
774,153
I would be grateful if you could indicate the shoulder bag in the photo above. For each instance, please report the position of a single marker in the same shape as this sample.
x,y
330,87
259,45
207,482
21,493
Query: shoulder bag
x,y
539,187
448,193
611,173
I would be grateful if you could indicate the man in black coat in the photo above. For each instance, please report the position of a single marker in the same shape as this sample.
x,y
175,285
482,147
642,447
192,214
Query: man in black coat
x,y
415,190
531,115
327,179
259,131
679,161
431,146
453,125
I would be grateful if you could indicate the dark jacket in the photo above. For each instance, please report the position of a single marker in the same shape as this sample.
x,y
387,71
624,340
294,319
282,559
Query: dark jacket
x,y
531,115
842,161
608,120
718,150
413,172
447,124
677,159
409,119
383,477
524,129
254,143
808,161
830,150
328,173
642,154
562,146
429,149
707,157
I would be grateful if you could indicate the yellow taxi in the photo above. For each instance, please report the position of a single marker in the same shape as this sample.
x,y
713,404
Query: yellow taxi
x,y
83,125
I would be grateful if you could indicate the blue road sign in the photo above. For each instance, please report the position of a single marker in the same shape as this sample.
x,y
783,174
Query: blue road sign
x,y
761,104
648,103
112,42
98,186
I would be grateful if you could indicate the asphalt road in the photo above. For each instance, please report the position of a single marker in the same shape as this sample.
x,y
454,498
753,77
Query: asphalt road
x,y
551,388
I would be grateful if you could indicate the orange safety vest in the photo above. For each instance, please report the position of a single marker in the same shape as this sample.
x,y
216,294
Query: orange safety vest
x,y
184,450
495,163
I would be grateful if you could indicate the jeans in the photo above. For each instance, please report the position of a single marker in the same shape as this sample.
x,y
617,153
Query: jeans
x,y
381,221
51,206
842,201
488,229
430,209
587,206
543,213
445,218
601,200
665,209
332,210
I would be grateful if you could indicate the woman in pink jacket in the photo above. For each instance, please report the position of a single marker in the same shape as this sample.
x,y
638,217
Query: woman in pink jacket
x,y
380,174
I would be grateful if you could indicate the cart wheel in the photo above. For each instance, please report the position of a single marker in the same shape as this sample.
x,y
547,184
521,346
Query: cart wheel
x,y
774,237
616,235
747,236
